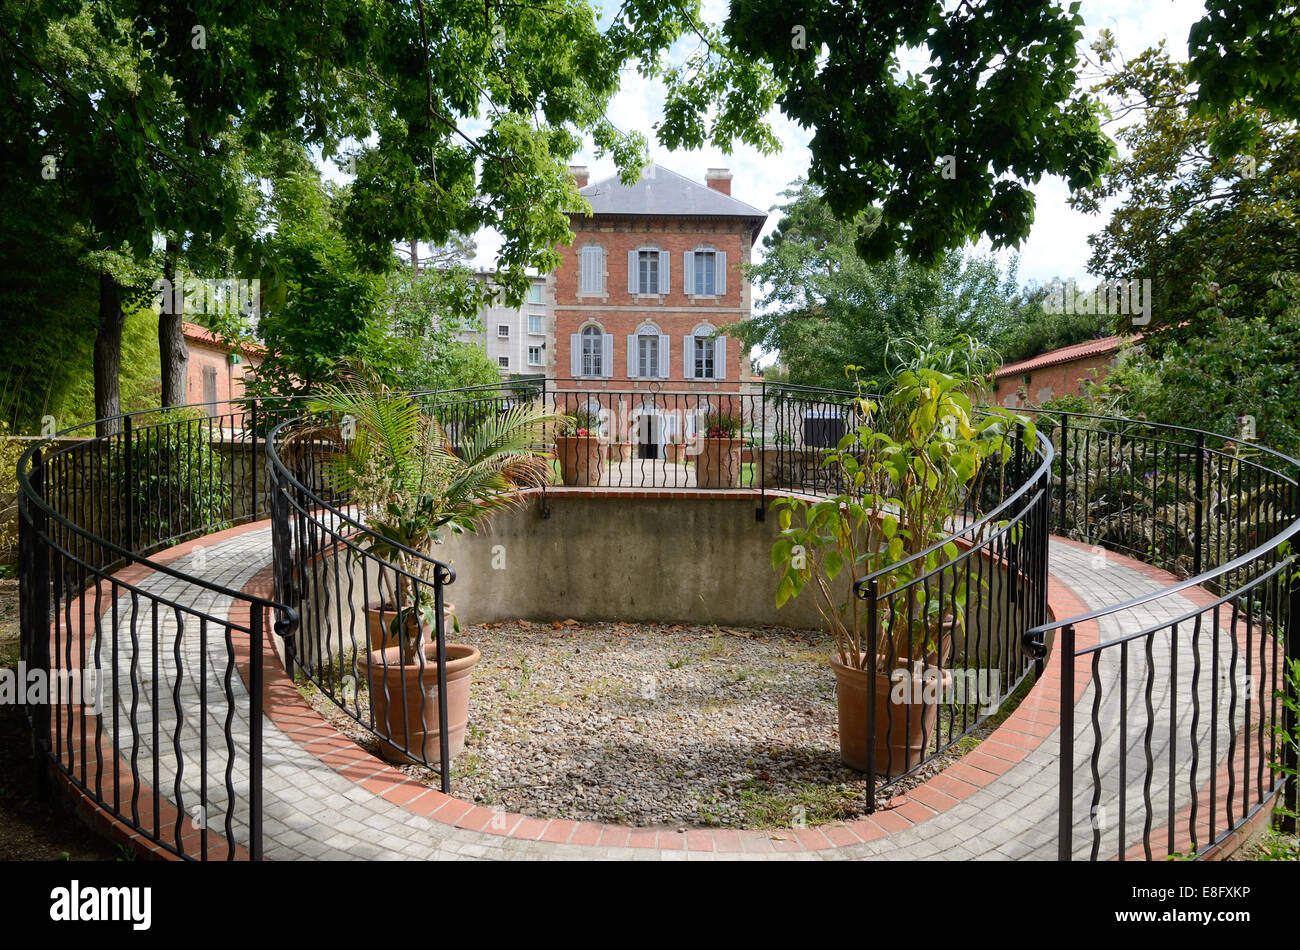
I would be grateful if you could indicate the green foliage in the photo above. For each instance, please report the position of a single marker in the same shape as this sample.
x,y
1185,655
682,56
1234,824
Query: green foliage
x,y
880,131
10,451
908,464
1186,217
1031,331
721,424
412,483
170,475
580,422
828,309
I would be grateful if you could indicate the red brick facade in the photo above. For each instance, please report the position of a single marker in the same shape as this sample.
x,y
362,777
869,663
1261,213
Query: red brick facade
x,y
613,309
1062,372
213,378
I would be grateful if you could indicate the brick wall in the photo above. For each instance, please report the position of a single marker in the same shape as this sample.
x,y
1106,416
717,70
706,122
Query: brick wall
x,y
676,313
1051,381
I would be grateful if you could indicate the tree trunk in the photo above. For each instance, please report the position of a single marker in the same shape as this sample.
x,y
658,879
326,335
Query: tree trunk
x,y
174,354
108,357
415,258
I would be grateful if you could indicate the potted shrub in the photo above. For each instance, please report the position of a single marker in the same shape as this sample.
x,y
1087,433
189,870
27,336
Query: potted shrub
x,y
909,464
620,451
718,462
580,449
411,486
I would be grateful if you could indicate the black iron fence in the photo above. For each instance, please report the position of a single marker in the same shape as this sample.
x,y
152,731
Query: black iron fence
x,y
1177,750
151,707
1183,688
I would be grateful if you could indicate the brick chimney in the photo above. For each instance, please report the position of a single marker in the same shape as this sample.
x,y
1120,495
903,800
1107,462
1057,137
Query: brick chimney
x,y
719,179
579,173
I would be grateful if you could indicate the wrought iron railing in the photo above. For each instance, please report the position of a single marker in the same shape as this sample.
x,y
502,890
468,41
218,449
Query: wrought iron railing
x,y
1219,512
139,679
1182,688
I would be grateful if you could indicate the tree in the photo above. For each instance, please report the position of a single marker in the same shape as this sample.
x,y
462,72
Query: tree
x,y
946,155
1185,214
828,308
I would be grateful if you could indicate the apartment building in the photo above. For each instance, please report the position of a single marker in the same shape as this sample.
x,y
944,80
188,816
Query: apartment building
x,y
518,339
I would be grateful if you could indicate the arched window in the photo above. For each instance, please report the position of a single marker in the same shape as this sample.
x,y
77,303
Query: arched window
x,y
592,351
705,355
647,353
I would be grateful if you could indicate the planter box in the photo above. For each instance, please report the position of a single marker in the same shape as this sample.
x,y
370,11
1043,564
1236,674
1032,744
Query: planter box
x,y
718,464
582,459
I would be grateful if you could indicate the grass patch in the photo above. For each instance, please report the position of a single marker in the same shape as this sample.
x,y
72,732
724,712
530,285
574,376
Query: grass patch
x,y
805,804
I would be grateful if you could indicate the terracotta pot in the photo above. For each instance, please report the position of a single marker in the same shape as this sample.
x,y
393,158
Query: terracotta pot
x,y
718,464
620,451
582,459
396,694
380,616
897,745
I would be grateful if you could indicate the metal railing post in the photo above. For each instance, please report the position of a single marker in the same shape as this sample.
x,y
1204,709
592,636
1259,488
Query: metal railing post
x,y
128,461
37,634
1065,434
255,614
761,466
1290,722
1197,548
1065,827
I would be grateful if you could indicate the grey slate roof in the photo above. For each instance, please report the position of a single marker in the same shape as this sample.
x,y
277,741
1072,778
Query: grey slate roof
x,y
664,192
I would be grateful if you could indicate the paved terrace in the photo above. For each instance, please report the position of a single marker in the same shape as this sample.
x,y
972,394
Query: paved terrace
x,y
326,798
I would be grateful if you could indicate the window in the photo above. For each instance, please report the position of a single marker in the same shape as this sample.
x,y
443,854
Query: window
x,y
592,270
534,356
705,354
706,273
535,293
704,351
647,355
704,263
647,281
503,362
535,323
592,350
503,331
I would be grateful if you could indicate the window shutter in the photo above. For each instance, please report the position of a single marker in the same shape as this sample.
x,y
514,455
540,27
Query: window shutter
x,y
633,363
575,354
607,354
720,276
632,276
688,272
665,360
719,357
665,261
688,354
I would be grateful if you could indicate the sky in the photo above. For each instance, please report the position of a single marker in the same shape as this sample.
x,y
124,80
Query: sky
x,y
1058,243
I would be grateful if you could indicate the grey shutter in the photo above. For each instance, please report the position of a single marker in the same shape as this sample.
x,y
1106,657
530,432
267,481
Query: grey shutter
x,y
665,261
688,357
575,354
719,357
720,278
607,354
688,273
631,272
633,365
665,360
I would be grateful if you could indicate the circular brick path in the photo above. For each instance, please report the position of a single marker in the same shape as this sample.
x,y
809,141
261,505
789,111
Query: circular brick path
x,y
326,798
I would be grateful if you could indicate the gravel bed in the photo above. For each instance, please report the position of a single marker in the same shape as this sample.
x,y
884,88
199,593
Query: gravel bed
x,y
655,725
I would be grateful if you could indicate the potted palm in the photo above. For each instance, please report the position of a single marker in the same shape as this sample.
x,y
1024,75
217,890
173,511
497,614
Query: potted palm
x,y
412,486
908,466
579,447
718,462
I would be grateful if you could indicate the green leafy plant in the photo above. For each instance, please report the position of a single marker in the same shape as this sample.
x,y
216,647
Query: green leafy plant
x,y
413,485
580,422
907,467
170,476
721,424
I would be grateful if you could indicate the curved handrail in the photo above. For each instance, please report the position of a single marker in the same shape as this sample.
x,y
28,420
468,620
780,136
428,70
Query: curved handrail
x,y
31,497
